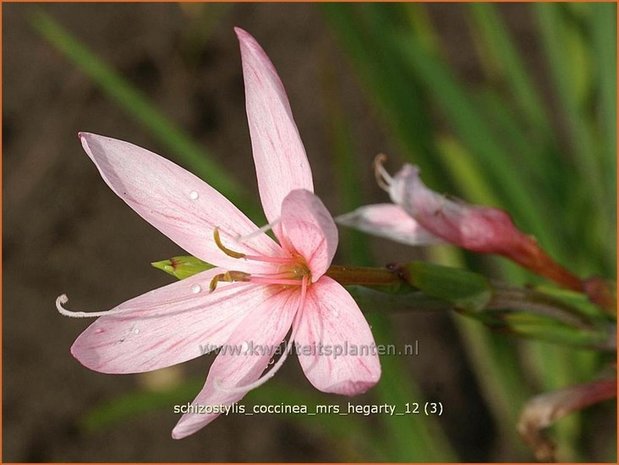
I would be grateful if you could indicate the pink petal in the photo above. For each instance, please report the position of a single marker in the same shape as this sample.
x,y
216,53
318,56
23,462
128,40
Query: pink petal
x,y
307,229
390,221
169,325
408,191
244,358
177,203
332,321
473,227
279,155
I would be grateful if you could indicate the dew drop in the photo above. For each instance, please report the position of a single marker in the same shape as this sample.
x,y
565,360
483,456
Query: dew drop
x,y
98,331
193,195
196,288
136,331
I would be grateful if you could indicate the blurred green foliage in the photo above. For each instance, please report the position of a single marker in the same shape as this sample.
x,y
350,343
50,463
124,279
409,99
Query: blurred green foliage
x,y
501,142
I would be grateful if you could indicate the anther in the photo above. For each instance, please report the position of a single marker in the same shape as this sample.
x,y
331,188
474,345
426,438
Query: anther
x,y
223,248
228,277
383,178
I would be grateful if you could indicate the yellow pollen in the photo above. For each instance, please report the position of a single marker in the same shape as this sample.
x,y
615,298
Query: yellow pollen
x,y
223,248
288,270
298,271
228,277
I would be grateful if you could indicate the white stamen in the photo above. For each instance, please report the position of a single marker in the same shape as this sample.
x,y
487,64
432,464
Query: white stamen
x,y
63,299
163,305
260,381
257,232
267,376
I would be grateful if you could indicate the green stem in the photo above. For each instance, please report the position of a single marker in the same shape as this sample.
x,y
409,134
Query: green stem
x,y
503,296
515,298
363,275
502,306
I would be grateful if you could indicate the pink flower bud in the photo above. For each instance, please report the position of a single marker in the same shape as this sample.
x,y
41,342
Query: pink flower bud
x,y
472,227
421,216
544,410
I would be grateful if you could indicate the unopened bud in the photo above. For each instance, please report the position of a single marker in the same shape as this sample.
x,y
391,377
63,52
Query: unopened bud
x,y
182,267
473,227
543,410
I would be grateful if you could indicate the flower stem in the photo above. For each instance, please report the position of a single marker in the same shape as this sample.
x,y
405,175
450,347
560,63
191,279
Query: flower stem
x,y
521,311
363,275
515,298
531,256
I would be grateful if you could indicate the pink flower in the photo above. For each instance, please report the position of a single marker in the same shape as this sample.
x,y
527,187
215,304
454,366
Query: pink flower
x,y
473,227
420,216
260,290
391,221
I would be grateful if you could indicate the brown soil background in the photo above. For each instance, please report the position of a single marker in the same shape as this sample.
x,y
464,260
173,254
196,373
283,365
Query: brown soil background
x,y
64,231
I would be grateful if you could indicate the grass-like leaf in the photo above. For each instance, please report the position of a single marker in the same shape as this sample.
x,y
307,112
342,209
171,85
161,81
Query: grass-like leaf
x,y
409,438
138,106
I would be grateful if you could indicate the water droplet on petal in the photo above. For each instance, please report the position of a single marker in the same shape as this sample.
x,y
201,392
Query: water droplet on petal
x,y
98,331
196,288
136,331
193,195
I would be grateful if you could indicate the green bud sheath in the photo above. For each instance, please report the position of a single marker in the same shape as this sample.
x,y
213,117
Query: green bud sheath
x,y
182,267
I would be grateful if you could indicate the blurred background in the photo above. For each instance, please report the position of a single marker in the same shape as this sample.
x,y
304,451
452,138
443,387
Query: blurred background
x,y
509,105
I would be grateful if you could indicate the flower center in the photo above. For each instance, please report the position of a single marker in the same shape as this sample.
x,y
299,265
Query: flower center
x,y
288,271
